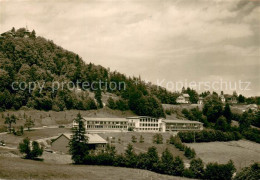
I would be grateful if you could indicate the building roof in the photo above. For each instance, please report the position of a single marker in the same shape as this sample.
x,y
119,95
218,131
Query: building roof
x,y
186,95
92,138
181,121
139,117
201,98
105,119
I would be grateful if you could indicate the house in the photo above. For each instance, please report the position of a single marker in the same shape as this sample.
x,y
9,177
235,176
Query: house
x,y
183,99
61,143
222,98
200,101
231,99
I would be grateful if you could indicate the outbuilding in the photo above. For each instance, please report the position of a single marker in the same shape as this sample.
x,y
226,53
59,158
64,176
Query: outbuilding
x,y
61,143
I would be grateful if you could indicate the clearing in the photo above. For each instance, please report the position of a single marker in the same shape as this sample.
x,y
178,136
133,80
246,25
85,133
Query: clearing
x,y
242,152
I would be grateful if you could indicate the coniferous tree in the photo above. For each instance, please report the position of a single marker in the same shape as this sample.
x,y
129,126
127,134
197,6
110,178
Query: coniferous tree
x,y
227,113
78,142
166,165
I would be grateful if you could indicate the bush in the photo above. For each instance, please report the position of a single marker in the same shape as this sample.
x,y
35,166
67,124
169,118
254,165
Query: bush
x,y
188,152
30,152
217,171
208,136
134,139
158,139
252,173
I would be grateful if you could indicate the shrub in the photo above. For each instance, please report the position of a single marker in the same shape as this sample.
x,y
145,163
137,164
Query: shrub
x,y
217,171
30,152
158,139
208,136
189,152
141,140
252,173
134,139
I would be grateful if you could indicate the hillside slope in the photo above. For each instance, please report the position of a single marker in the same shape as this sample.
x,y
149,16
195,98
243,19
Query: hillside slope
x,y
30,61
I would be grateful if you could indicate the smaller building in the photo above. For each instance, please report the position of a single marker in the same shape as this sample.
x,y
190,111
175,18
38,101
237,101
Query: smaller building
x,y
61,143
183,99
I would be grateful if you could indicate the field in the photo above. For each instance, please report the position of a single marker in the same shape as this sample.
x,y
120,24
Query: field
x,y
57,166
242,153
17,168
121,140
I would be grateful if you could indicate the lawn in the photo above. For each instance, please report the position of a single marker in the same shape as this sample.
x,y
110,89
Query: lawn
x,y
121,140
17,168
242,153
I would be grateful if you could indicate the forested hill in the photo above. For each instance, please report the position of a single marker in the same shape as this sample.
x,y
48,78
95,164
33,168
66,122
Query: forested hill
x,y
24,57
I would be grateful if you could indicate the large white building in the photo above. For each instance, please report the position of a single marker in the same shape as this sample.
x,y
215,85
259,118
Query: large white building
x,y
139,124
144,124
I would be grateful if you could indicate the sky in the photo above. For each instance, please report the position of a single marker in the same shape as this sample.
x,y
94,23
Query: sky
x,y
167,42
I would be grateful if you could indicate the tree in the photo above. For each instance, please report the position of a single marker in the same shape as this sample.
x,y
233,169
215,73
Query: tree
x,y
141,140
133,139
152,158
98,97
29,123
244,122
222,124
217,171
250,173
158,139
30,152
178,166
197,168
212,108
130,156
166,165
33,34
78,143
241,99
189,152
111,103
227,113
10,121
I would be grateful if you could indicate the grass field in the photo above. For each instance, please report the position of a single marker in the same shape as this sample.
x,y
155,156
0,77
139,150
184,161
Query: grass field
x,y
242,153
17,168
121,140
13,141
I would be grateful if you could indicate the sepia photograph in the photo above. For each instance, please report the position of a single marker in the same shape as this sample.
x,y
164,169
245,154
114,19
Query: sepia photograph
x,y
130,89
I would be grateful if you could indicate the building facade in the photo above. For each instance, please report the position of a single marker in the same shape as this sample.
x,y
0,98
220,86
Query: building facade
x,y
181,125
144,124
139,124
183,99
106,124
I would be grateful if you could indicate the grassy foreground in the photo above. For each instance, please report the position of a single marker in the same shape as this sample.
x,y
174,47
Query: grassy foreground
x,y
17,168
